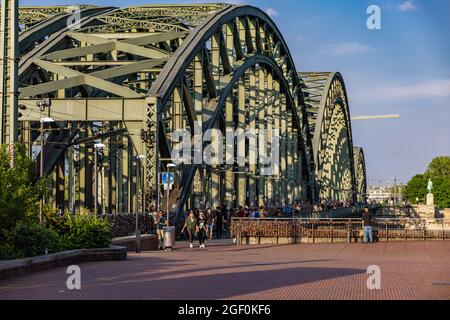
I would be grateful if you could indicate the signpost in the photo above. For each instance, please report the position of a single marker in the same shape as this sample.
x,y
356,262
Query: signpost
x,y
168,178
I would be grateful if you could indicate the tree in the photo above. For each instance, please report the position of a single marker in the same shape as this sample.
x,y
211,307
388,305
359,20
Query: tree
x,y
18,194
416,189
439,167
441,191
439,172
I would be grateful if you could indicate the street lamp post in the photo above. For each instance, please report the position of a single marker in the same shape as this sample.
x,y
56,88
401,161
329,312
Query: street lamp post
x,y
41,205
139,158
170,165
97,146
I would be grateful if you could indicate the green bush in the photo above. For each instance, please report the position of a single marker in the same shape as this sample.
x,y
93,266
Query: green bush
x,y
7,251
31,239
19,194
56,222
88,232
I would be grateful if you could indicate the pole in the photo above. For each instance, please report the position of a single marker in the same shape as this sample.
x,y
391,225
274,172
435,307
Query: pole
x,y
96,182
103,197
167,196
41,205
144,193
137,186
137,232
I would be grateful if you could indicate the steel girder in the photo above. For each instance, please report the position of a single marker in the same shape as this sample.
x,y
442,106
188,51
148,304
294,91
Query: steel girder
x,y
146,71
330,123
360,173
241,38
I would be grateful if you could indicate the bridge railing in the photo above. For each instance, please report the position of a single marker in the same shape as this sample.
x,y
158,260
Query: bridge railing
x,y
311,230
335,213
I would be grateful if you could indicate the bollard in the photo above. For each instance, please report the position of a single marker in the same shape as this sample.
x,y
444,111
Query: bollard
x,y
349,239
387,235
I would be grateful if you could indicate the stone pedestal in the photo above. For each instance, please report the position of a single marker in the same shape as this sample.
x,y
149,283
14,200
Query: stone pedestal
x,y
425,212
430,199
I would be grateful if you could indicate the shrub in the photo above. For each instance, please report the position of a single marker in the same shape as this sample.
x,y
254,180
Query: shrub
x,y
31,239
18,194
56,222
7,251
88,232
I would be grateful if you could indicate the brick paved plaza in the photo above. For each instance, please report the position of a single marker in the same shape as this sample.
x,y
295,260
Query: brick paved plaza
x,y
413,270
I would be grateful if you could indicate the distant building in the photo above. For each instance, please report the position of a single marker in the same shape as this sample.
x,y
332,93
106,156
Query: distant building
x,y
379,194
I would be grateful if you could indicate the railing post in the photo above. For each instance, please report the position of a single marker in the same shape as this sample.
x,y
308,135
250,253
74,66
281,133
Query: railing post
x,y
313,232
349,239
387,233
443,232
278,232
238,235
424,233
331,227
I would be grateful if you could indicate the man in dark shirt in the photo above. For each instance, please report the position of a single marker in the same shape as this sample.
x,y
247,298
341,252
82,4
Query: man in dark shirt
x,y
367,222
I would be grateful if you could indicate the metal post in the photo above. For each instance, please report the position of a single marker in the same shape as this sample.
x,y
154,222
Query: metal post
x,y
41,205
387,234
103,198
137,233
96,181
349,238
167,195
9,59
158,200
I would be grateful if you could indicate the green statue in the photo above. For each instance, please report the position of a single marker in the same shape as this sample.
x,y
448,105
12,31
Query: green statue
x,y
430,186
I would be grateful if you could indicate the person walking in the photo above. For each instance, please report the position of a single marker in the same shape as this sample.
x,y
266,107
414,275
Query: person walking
x,y
210,218
191,227
202,229
218,222
160,222
367,223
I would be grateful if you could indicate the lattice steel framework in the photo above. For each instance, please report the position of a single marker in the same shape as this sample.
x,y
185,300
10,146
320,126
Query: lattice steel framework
x,y
129,77
329,119
360,173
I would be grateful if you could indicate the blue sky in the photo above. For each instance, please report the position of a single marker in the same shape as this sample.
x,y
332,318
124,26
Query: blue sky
x,y
403,68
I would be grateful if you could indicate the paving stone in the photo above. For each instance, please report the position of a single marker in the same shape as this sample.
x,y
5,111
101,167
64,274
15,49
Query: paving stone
x,y
412,270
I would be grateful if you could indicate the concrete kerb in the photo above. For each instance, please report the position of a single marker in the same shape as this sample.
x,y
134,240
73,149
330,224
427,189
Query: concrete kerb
x,y
12,268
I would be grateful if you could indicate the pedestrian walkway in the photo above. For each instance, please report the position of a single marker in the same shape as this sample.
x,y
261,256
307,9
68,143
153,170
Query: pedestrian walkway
x,y
411,270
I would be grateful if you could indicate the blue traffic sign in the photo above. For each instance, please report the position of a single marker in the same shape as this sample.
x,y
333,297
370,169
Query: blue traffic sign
x,y
170,179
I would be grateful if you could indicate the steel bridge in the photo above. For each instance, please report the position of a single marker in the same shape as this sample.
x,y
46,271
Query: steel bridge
x,y
129,77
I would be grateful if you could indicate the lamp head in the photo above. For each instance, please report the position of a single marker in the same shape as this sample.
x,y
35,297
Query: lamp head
x,y
99,146
47,120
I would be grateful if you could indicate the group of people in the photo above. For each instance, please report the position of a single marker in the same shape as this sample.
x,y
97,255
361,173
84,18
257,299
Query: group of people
x,y
203,224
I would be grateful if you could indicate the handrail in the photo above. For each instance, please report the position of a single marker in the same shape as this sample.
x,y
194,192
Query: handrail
x,y
385,229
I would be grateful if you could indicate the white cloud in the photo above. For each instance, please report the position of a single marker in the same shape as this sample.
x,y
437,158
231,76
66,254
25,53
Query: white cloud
x,y
348,48
272,12
436,88
429,89
407,6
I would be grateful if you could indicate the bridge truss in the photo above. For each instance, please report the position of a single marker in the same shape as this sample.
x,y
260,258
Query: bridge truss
x,y
132,77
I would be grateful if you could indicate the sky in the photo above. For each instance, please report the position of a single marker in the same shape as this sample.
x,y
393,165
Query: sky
x,y
404,68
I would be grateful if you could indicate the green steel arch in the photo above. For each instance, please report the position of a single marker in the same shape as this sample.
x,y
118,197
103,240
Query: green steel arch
x,y
240,36
330,124
130,77
360,173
